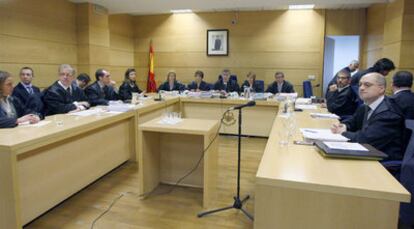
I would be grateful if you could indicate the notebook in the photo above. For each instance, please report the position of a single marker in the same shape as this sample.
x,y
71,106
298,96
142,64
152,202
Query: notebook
x,y
363,152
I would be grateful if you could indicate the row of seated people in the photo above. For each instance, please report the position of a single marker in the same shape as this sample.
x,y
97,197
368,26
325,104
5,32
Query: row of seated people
x,y
228,83
26,103
379,121
367,114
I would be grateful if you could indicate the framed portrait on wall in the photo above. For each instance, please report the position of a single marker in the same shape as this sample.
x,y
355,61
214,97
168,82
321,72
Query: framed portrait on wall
x,y
217,42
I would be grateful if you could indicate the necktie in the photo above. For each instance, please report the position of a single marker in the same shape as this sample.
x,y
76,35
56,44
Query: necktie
x,y
68,91
365,121
30,90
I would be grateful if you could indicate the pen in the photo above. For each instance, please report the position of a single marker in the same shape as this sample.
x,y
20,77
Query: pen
x,y
311,131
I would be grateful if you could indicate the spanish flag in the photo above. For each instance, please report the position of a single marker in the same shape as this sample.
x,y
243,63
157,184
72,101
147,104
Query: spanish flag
x,y
151,84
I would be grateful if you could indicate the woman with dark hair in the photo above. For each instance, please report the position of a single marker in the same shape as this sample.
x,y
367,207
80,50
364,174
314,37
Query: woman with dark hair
x,y
12,111
198,84
171,84
129,85
251,83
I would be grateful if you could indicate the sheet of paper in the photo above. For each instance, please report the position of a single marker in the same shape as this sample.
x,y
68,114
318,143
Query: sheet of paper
x,y
303,101
306,107
345,146
85,113
324,115
322,134
39,124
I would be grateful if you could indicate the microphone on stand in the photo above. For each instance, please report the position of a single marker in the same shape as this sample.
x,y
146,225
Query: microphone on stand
x,y
249,104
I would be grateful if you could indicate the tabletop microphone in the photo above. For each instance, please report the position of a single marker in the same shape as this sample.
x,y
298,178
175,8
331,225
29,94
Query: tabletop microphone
x,y
249,104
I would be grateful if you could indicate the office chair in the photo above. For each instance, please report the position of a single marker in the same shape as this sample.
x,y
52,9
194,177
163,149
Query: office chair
x,y
232,77
307,89
407,178
261,85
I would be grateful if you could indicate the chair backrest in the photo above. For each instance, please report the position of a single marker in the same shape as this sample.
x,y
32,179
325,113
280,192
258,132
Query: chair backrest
x,y
307,89
407,177
261,85
355,89
232,77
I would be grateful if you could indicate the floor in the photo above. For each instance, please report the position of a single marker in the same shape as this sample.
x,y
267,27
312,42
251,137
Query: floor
x,y
165,208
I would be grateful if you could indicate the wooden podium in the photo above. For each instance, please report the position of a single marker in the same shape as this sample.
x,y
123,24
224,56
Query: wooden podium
x,y
168,152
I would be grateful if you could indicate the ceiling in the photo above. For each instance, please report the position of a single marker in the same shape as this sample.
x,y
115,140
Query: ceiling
x,y
143,7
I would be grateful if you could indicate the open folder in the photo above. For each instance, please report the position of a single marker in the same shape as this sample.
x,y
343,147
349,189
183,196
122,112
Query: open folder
x,y
349,150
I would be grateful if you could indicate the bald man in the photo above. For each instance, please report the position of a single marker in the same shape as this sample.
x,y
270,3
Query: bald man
x,y
379,122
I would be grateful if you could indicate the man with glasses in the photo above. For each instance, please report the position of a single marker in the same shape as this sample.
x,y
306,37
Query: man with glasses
x,y
61,97
379,122
341,99
26,92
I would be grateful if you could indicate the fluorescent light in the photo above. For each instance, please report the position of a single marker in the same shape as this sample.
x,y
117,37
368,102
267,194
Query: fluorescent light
x,y
302,7
181,11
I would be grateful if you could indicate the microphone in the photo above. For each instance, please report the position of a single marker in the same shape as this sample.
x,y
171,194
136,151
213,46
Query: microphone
x,y
249,104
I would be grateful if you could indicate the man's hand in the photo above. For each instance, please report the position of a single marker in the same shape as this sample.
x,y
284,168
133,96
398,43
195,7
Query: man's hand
x,y
333,88
338,128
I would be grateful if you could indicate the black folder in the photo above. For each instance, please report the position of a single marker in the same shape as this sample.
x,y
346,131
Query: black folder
x,y
371,154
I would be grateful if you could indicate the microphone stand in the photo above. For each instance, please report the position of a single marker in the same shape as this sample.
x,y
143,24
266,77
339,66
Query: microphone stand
x,y
238,203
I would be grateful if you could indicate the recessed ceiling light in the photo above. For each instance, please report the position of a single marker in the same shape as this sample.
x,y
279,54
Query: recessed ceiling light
x,y
302,7
181,11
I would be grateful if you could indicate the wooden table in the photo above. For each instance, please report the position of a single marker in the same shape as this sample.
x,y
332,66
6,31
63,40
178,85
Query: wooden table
x,y
257,120
298,188
168,152
42,166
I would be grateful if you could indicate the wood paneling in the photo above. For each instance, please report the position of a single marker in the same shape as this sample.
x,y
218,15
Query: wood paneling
x,y
41,36
264,41
345,22
374,35
121,45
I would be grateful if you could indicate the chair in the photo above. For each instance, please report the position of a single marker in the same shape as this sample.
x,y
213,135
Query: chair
x,y
307,89
407,178
355,88
232,77
260,85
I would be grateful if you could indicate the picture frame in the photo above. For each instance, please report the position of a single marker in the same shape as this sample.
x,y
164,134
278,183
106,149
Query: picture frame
x,y
217,42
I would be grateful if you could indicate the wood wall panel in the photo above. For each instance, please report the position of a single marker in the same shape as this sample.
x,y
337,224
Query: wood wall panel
x,y
345,22
41,36
121,45
260,41
374,35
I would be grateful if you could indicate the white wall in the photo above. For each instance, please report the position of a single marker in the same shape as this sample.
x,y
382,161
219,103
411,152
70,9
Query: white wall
x,y
346,49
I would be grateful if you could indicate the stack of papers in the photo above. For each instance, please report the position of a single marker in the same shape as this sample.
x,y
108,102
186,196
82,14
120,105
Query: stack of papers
x,y
86,112
303,101
322,135
306,107
324,115
39,124
346,146
120,107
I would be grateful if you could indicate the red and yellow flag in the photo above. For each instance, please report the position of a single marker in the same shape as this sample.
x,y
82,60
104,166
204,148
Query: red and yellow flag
x,y
151,84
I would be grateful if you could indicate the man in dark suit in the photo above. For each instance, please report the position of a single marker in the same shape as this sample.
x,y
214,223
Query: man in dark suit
x,y
352,67
102,91
382,66
226,85
341,99
280,85
62,97
27,93
379,122
401,87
